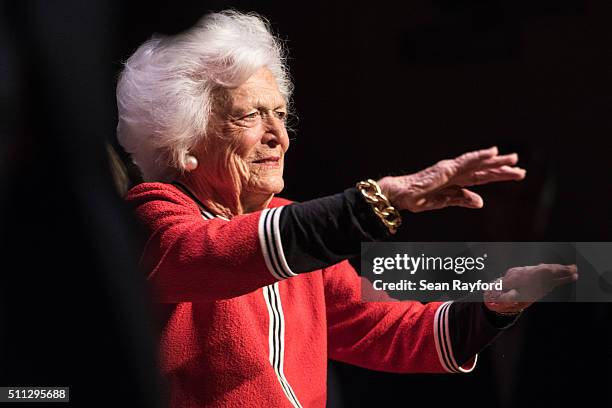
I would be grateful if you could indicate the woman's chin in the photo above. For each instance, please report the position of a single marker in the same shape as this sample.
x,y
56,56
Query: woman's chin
x,y
269,186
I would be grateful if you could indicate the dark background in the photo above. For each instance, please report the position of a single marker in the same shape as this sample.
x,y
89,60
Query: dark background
x,y
381,88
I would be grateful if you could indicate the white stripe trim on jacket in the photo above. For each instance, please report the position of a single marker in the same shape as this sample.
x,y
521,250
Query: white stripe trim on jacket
x,y
276,339
271,245
442,340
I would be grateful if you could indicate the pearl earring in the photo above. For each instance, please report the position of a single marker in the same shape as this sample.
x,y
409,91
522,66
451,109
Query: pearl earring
x,y
191,163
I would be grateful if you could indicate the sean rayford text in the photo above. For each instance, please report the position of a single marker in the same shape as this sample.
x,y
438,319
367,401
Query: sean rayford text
x,y
424,285
412,264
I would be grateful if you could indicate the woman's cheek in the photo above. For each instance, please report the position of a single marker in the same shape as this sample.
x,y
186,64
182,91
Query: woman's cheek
x,y
239,166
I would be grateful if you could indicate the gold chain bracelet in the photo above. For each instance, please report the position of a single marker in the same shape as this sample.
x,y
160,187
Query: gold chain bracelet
x,y
380,204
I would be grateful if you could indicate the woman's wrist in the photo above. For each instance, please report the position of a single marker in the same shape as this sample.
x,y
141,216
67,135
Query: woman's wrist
x,y
380,204
385,184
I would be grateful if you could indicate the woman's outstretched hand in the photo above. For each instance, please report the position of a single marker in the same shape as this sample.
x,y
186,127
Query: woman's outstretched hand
x,y
444,184
524,285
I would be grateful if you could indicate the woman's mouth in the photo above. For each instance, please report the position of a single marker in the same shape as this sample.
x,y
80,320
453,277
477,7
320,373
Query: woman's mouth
x,y
272,161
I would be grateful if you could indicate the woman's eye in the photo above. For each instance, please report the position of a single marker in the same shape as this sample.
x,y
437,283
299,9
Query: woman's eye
x,y
281,115
250,116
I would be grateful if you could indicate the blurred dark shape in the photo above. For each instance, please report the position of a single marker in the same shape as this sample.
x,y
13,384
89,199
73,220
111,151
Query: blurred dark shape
x,y
118,170
73,305
605,282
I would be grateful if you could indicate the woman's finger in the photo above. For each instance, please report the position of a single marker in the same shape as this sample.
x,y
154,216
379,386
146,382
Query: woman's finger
x,y
445,172
493,175
451,196
497,161
566,279
473,159
558,275
536,281
467,199
564,270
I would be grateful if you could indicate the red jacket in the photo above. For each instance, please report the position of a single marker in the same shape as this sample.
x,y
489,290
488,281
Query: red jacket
x,y
235,335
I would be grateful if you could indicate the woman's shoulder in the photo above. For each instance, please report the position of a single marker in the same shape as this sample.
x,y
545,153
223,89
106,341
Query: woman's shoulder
x,y
153,189
162,194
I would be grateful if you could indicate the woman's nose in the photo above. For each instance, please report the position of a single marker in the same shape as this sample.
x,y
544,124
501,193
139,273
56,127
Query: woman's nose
x,y
275,132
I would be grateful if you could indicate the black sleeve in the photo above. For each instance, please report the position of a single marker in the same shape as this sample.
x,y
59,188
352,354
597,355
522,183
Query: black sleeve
x,y
474,326
325,231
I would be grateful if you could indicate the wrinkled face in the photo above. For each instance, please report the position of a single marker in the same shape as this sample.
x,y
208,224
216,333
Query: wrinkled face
x,y
250,122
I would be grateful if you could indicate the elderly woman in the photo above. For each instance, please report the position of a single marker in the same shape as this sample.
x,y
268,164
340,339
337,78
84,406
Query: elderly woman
x,y
257,290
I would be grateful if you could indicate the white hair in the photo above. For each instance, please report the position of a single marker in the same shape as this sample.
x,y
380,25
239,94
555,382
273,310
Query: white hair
x,y
165,92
